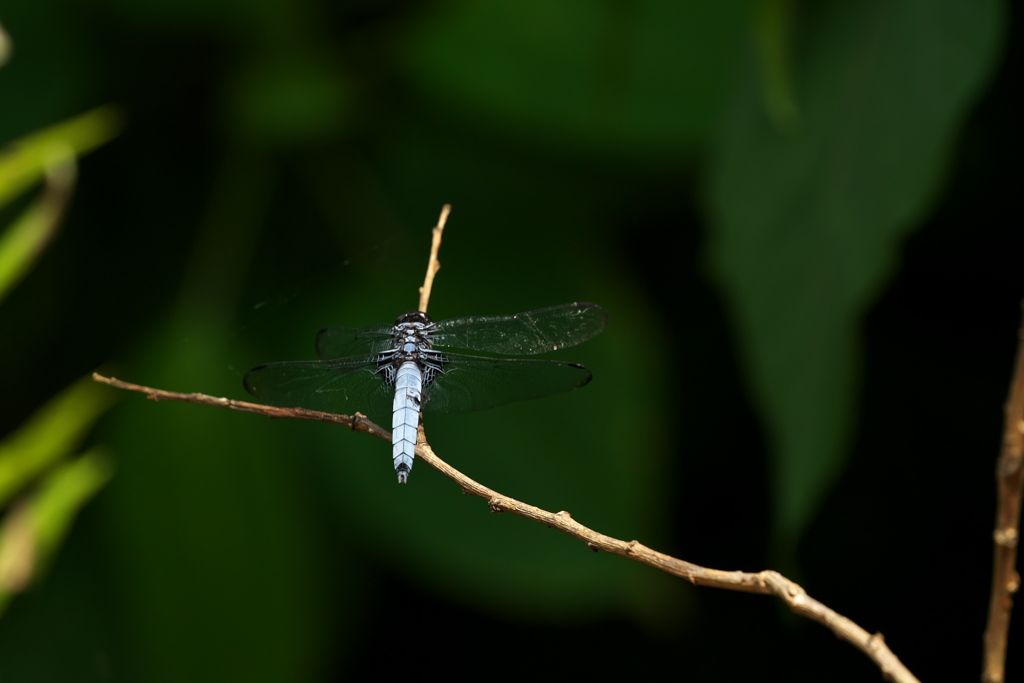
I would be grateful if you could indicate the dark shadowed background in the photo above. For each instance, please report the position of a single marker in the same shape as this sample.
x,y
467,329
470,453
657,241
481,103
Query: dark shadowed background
x,y
803,219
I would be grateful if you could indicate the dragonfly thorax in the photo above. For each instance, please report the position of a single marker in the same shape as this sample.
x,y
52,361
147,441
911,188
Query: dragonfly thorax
x,y
412,342
411,338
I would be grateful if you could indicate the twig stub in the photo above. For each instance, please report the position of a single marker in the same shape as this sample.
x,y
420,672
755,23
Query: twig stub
x,y
433,265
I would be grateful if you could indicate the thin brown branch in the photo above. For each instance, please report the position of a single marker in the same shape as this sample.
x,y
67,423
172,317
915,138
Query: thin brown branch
x,y
433,265
357,422
1009,489
765,582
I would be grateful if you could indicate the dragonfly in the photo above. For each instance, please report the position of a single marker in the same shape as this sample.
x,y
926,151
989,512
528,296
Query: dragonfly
x,y
406,368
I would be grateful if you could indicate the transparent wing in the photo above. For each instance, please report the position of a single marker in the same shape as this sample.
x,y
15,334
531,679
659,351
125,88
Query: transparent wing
x,y
346,342
470,383
524,334
344,385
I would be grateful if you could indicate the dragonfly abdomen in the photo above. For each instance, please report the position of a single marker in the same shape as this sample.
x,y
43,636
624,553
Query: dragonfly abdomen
x,y
406,417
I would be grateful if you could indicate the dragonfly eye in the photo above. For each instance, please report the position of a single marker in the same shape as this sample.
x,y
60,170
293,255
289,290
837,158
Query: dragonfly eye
x,y
413,317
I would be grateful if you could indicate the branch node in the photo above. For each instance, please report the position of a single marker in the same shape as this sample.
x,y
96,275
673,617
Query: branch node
x,y
1006,537
795,590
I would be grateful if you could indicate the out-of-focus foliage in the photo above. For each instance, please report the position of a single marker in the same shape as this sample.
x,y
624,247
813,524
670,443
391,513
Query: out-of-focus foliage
x,y
48,154
50,435
44,489
775,38
283,164
809,217
5,45
35,525
586,75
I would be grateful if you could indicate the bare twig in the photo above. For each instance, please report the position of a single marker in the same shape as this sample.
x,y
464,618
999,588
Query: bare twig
x,y
433,265
765,582
1009,485
357,422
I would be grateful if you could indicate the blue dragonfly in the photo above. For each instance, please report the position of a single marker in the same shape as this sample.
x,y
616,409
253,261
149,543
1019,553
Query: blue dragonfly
x,y
406,368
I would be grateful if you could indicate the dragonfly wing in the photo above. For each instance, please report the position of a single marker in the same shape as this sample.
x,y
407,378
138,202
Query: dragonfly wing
x,y
469,383
341,386
524,334
347,342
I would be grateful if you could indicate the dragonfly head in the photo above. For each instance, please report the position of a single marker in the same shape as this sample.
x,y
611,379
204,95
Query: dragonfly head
x,y
414,317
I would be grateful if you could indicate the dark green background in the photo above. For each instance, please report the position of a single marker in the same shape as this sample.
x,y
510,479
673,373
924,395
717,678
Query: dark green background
x,y
802,218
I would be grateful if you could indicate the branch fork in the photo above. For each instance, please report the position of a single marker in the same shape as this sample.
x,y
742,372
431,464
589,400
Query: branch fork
x,y
1006,580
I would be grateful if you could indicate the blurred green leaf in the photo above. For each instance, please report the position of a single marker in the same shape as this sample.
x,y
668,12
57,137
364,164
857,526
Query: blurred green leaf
x,y
645,77
29,234
26,160
774,32
288,100
52,433
34,529
35,526
807,226
49,155
5,45
65,491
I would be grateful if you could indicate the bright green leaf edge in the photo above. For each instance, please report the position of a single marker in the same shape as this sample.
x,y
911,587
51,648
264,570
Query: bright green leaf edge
x,y
49,154
26,238
52,433
33,532
25,160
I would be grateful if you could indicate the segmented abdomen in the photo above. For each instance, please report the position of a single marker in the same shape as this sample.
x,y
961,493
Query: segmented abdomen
x,y
406,417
